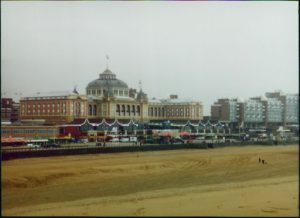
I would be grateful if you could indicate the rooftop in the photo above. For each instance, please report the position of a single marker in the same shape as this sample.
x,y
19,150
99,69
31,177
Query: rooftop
x,y
172,101
50,94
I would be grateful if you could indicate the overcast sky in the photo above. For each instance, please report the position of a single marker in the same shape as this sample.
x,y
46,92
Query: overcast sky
x,y
198,50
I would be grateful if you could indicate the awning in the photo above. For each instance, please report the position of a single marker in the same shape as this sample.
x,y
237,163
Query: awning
x,y
12,140
184,134
167,134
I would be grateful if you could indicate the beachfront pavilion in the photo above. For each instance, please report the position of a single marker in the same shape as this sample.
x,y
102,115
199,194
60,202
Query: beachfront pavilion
x,y
131,127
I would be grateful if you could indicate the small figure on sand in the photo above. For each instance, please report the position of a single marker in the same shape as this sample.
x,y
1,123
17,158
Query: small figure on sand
x,y
264,162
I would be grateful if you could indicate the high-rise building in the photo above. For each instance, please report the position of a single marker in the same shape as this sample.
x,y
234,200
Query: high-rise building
x,y
290,103
271,110
253,113
226,110
274,112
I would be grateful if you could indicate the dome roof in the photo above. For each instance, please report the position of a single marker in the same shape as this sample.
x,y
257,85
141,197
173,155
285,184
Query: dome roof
x,y
100,83
107,79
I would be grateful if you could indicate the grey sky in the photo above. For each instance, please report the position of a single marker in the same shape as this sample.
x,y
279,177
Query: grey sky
x,y
198,50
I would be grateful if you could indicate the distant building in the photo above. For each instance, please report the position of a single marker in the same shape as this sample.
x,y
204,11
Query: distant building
x,y
6,109
252,113
53,107
225,110
175,108
15,112
272,110
9,110
290,103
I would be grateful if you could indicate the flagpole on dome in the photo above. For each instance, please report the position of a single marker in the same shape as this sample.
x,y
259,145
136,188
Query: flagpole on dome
x,y
107,58
140,85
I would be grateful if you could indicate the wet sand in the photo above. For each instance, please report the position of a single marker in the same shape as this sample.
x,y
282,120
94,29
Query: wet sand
x,y
225,181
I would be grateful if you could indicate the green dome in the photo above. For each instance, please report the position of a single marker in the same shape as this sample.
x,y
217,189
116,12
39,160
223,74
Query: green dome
x,y
100,83
107,79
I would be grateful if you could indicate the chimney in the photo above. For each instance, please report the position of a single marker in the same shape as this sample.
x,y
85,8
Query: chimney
x,y
173,96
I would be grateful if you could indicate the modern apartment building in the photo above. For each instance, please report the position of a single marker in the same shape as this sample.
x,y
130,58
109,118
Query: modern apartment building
x,y
252,113
226,110
290,103
273,109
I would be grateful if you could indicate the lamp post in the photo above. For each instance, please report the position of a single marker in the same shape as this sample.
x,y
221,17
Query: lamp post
x,y
53,135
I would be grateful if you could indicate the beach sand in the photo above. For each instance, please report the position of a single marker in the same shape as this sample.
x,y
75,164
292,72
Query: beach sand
x,y
217,182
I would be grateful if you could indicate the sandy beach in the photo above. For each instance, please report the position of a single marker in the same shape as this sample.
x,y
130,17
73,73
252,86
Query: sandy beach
x,y
217,182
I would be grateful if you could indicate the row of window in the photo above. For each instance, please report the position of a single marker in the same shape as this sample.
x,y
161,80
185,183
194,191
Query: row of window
x,y
127,110
44,111
42,98
161,112
44,105
100,92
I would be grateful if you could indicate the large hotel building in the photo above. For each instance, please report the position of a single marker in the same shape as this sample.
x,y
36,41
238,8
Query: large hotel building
x,y
109,98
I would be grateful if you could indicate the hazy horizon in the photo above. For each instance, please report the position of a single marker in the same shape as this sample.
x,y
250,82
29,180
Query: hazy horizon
x,y
197,50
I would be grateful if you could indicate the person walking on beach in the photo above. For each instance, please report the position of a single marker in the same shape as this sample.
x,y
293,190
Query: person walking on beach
x,y
259,160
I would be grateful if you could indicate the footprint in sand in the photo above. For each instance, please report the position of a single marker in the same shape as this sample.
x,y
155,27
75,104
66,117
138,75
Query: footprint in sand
x,y
280,208
219,206
140,211
269,211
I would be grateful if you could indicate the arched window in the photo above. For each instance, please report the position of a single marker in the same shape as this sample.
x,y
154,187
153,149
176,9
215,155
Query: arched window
x,y
159,112
138,110
128,110
155,112
163,112
151,110
118,109
133,110
90,110
95,110
123,109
